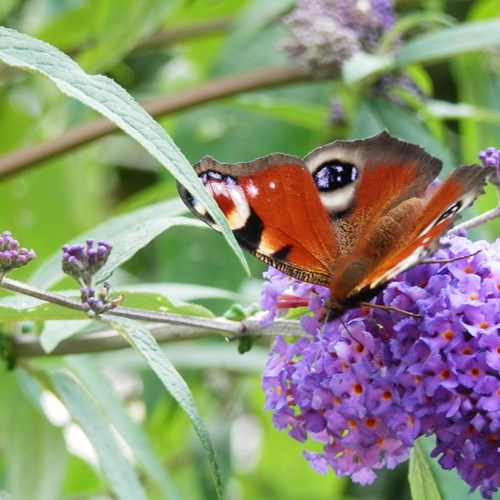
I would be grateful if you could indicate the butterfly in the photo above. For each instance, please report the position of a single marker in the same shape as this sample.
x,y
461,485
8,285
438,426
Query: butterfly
x,y
351,215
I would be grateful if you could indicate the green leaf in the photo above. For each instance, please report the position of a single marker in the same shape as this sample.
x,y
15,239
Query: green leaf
x,y
25,308
375,115
423,484
299,113
184,292
445,43
363,65
448,110
152,301
451,485
117,39
479,86
255,31
117,469
128,232
54,332
410,22
35,450
113,102
90,375
142,340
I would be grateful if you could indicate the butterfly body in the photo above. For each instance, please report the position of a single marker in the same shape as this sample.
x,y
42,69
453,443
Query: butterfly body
x,y
350,216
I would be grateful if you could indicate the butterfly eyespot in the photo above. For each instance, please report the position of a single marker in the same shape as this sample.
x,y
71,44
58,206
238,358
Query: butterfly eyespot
x,y
449,212
195,205
333,175
230,196
209,176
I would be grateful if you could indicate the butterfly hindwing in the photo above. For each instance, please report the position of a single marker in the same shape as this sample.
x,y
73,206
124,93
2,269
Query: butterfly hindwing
x,y
438,214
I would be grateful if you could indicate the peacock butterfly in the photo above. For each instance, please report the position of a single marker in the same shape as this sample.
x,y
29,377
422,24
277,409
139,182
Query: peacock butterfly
x,y
350,216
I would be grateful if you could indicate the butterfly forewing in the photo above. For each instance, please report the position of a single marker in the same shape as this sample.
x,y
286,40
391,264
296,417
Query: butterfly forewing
x,y
370,175
275,212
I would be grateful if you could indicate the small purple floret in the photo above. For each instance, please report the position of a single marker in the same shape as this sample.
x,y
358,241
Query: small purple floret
x,y
12,255
82,262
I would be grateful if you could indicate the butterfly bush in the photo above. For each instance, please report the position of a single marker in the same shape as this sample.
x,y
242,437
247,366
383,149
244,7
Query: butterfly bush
x,y
325,33
369,391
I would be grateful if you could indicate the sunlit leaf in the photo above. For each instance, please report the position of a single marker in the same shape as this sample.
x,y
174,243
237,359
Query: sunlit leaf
x,y
112,101
122,478
139,337
449,42
422,481
90,375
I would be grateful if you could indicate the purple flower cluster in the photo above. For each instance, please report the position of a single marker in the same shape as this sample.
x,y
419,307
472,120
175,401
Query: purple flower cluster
x,y
491,158
395,86
82,263
369,391
12,255
325,33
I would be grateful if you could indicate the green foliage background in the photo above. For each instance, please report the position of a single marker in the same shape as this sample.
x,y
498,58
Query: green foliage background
x,y
159,48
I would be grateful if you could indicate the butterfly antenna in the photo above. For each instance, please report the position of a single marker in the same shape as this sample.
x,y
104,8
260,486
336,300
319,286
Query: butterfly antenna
x,y
344,324
446,261
390,308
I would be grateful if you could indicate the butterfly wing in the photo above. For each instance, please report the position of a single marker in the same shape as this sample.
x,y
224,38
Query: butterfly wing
x,y
351,215
370,174
274,210
438,214
375,190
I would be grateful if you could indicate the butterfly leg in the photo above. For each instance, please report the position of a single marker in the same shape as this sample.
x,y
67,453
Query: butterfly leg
x,y
447,261
390,308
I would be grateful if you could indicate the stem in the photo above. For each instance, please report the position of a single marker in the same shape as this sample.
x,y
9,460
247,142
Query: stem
x,y
54,298
218,324
83,134
172,327
172,35
478,220
28,346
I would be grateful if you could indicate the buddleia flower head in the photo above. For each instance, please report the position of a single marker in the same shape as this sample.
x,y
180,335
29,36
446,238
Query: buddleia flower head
x,y
369,386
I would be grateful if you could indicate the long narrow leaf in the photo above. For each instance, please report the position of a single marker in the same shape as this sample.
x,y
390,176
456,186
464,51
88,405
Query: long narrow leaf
x,y
113,102
422,481
460,39
33,448
140,337
119,472
128,232
90,375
